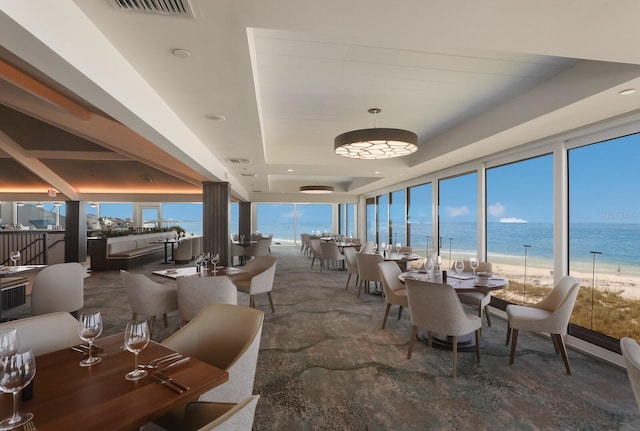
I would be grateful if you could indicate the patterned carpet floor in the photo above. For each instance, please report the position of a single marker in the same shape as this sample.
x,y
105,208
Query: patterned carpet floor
x,y
325,364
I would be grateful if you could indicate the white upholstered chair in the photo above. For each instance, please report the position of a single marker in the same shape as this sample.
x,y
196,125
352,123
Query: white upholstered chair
x,y
258,279
394,291
148,298
331,253
351,260
58,287
46,333
183,252
551,315
316,252
480,300
368,247
195,293
631,353
368,270
225,336
435,307
203,416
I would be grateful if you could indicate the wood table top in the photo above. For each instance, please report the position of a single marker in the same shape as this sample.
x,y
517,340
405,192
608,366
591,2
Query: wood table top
x,y
190,271
67,396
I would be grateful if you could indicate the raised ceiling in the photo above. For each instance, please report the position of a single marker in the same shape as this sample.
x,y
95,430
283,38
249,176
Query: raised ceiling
x,y
470,78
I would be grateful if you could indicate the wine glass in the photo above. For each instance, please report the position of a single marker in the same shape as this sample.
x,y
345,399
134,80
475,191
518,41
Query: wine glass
x,y
459,266
18,371
15,257
473,263
9,343
205,259
136,338
199,260
398,247
428,265
214,260
90,329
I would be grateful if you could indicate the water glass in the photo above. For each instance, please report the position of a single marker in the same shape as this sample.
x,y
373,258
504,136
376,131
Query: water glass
x,y
17,371
15,257
90,329
9,343
136,338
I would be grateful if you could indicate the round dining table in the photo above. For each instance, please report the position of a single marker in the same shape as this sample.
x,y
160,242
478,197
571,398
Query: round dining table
x,y
463,282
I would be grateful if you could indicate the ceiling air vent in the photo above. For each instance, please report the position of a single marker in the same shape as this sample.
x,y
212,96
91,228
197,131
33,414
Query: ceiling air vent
x,y
247,175
180,8
239,161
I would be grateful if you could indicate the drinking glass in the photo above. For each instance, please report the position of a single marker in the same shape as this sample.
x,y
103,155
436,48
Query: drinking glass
x,y
136,338
15,257
90,329
199,260
205,260
428,265
473,263
398,247
9,343
17,372
459,266
214,260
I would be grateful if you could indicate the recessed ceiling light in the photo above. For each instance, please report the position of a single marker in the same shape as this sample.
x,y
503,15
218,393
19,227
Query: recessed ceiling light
x,y
181,53
627,91
377,172
289,170
215,117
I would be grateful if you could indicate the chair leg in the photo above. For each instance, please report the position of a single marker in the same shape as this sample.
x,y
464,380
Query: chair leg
x,y
478,345
412,339
454,340
151,323
400,312
486,313
359,288
133,316
386,315
252,301
563,352
165,320
273,310
555,343
508,334
513,346
348,280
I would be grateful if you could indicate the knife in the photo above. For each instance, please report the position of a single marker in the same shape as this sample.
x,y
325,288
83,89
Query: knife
x,y
174,364
167,383
172,381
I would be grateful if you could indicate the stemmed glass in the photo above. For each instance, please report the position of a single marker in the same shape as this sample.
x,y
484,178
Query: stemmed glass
x,y
459,266
205,259
18,371
9,343
15,257
90,329
398,247
473,263
136,338
199,260
428,265
214,260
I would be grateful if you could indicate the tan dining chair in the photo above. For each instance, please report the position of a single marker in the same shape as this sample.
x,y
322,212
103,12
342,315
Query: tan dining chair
x,y
58,287
195,293
316,252
368,271
368,247
351,260
480,300
331,253
551,315
46,333
631,353
148,298
183,251
257,279
435,307
394,291
204,416
225,336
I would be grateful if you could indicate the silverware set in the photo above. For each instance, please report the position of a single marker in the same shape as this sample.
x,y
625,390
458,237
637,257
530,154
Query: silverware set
x,y
164,363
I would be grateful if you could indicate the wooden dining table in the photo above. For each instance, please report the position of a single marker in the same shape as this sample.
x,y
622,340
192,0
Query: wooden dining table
x,y
67,396
191,271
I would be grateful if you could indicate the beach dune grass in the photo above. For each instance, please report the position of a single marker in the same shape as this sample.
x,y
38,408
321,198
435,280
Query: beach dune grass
x,y
603,311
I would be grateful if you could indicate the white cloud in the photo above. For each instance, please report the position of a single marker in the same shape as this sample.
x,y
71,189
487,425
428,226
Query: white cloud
x,y
497,210
512,220
457,211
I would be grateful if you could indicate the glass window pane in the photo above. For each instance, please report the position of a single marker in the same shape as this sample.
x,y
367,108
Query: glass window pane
x,y
397,217
371,220
276,220
458,215
383,219
520,220
187,215
604,233
419,218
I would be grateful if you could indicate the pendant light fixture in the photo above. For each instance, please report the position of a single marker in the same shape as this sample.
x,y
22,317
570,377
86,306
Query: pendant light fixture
x,y
316,190
376,143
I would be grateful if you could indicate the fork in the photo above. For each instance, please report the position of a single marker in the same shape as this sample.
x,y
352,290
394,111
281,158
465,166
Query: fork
x,y
159,362
29,426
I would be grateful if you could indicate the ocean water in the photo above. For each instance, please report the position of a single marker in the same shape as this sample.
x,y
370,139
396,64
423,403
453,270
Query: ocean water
x,y
618,243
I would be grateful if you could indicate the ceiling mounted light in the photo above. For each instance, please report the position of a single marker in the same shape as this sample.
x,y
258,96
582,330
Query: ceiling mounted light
x,y
20,204
316,190
627,92
57,204
39,205
376,143
181,53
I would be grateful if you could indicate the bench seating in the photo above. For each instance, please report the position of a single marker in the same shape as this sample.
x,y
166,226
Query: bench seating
x,y
126,252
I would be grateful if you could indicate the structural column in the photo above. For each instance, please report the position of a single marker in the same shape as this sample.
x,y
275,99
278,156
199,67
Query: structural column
x,y
75,232
244,219
215,220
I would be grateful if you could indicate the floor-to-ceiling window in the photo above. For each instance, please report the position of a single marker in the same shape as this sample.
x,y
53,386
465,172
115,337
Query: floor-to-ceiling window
x,y
187,215
458,213
112,215
419,218
346,219
519,208
398,217
371,222
604,235
383,219
287,221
